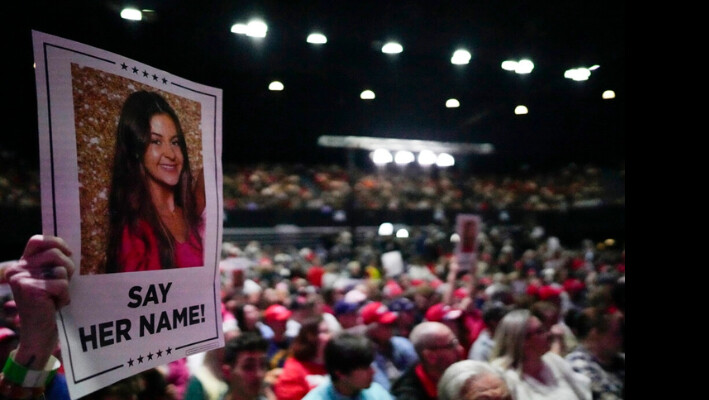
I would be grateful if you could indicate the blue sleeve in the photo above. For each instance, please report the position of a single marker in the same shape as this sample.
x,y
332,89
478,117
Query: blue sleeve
x,y
57,389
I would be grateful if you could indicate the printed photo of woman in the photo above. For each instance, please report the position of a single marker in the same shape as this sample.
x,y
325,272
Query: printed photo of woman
x,y
155,203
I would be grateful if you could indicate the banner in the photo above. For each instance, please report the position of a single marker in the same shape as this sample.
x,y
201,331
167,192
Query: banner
x,y
131,178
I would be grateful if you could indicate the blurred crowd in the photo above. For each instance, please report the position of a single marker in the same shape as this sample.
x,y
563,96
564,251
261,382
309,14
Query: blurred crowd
x,y
395,318
295,300
328,187
415,188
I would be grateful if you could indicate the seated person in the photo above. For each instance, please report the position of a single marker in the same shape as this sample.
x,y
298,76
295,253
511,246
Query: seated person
x,y
348,361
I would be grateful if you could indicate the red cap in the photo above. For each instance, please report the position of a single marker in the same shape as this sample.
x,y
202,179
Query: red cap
x,y
547,292
277,312
377,312
392,289
315,274
460,293
573,285
442,312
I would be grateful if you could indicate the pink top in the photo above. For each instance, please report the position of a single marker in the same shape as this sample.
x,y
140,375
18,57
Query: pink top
x,y
135,256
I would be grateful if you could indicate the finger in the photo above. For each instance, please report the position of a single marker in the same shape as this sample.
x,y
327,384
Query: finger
x,y
55,289
36,264
58,272
40,243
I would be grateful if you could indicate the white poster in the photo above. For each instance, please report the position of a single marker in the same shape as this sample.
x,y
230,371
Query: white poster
x,y
131,178
467,227
393,263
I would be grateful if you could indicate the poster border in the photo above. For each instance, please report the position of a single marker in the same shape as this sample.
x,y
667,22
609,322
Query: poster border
x,y
215,143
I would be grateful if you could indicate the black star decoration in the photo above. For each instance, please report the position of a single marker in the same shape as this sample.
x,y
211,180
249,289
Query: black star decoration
x,y
159,353
145,73
140,360
150,356
155,77
124,66
169,350
135,70
130,362
164,80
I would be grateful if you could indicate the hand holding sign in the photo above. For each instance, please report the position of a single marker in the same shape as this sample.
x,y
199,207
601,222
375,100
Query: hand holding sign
x,y
40,286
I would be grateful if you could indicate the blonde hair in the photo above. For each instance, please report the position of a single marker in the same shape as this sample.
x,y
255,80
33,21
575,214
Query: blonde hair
x,y
457,376
510,335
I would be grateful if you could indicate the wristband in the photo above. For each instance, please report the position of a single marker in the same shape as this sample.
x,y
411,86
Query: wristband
x,y
29,378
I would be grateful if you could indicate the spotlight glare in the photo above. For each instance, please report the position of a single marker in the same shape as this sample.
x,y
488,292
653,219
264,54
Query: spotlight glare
x,y
366,95
386,229
426,157
256,28
381,156
317,38
445,160
460,57
131,14
521,110
403,157
452,103
392,48
275,86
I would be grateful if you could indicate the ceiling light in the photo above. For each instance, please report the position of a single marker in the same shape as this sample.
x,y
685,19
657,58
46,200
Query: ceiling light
x,y
255,28
386,229
402,233
403,157
131,14
509,65
577,74
275,86
452,103
381,156
317,38
392,48
460,57
366,95
521,110
445,160
608,94
524,66
426,157
239,29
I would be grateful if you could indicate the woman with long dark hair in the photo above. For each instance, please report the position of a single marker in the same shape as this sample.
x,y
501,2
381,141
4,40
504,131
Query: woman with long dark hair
x,y
154,218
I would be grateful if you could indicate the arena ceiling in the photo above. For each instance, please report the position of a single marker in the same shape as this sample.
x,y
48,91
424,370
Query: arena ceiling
x,y
568,121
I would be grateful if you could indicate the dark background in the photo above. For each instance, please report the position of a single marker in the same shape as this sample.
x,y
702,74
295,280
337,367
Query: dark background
x,y
568,120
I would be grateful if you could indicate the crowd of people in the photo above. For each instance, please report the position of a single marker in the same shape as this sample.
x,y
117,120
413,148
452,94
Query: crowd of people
x,y
538,321
299,187
415,188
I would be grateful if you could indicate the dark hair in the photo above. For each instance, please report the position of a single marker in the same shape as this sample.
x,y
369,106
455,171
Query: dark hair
x,y
493,311
347,352
129,200
246,341
241,318
305,344
583,321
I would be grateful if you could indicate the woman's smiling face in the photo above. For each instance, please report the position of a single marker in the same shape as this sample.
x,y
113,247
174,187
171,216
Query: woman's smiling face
x,y
163,157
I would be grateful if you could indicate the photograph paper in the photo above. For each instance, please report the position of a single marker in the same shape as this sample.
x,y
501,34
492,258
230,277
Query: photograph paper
x,y
139,204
